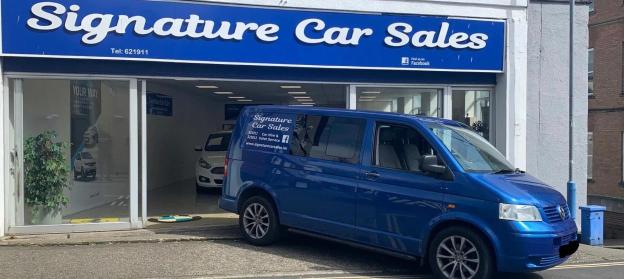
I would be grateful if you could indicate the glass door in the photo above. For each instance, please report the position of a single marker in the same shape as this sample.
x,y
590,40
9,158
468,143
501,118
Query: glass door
x,y
71,162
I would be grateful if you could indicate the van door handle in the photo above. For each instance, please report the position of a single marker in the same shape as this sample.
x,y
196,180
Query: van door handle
x,y
372,175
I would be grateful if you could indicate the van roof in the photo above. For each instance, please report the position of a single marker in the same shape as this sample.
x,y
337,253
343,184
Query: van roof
x,y
359,113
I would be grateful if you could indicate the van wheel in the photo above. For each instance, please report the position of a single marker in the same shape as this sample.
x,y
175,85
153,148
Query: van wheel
x,y
258,221
460,253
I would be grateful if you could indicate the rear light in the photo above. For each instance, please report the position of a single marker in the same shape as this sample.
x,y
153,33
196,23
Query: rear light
x,y
225,167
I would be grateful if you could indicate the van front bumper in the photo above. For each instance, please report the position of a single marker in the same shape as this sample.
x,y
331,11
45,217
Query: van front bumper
x,y
534,251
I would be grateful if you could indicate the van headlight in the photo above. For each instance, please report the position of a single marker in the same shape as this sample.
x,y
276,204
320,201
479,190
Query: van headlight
x,y
519,212
204,164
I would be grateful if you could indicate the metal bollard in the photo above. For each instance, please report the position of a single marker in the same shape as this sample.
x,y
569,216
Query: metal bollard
x,y
592,225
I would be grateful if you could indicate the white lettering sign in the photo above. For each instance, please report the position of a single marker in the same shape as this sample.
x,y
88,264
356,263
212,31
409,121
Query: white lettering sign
x,y
50,16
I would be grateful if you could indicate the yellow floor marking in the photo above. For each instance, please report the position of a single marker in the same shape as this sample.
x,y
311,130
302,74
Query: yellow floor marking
x,y
93,220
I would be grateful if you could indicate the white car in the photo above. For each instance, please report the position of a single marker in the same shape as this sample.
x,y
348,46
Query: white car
x,y
209,169
84,165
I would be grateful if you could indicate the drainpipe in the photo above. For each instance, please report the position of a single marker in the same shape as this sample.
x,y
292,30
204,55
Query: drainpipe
x,y
571,193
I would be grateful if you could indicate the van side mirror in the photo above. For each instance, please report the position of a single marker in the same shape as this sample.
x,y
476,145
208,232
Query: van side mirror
x,y
430,164
198,148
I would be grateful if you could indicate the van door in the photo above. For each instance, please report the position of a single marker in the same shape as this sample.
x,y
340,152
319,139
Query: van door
x,y
321,197
396,200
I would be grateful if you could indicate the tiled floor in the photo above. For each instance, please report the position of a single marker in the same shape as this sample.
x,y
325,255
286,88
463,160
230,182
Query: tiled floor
x,y
178,198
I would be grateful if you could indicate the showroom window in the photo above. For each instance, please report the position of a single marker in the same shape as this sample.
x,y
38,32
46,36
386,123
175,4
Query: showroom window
x,y
328,138
473,108
73,136
407,100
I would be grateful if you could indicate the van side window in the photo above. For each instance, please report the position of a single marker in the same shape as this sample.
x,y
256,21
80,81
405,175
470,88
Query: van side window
x,y
400,147
328,138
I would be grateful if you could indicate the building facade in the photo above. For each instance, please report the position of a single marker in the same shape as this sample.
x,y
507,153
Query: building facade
x,y
129,86
606,112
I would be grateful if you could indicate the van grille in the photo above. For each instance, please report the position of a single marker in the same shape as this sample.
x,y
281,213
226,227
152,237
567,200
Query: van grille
x,y
552,214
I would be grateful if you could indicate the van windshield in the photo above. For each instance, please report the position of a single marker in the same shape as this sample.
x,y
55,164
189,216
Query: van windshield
x,y
218,142
473,152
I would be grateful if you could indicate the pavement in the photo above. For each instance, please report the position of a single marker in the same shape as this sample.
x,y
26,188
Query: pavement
x,y
187,251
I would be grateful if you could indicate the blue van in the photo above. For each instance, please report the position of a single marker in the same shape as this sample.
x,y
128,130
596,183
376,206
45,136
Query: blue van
x,y
418,187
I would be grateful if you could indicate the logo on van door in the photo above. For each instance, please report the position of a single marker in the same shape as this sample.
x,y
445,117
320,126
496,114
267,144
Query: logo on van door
x,y
270,132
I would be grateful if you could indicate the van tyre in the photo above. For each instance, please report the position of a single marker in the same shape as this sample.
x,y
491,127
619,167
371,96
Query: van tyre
x,y
258,221
460,253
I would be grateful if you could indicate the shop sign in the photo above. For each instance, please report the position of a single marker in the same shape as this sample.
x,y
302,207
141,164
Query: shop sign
x,y
197,32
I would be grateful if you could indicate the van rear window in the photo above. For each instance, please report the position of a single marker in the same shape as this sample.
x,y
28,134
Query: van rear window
x,y
328,138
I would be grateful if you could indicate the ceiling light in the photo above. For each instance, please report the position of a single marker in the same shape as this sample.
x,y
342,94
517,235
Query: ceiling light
x,y
302,97
245,100
371,92
308,103
297,93
290,86
300,105
368,97
223,92
305,100
366,100
207,86
236,97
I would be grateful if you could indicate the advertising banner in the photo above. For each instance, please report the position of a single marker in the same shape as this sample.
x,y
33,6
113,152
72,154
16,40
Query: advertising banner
x,y
193,32
86,107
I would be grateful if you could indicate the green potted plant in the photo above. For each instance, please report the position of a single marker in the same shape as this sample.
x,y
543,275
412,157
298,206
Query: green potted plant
x,y
46,178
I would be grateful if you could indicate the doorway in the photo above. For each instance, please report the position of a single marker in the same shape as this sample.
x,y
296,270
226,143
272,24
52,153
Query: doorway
x,y
188,131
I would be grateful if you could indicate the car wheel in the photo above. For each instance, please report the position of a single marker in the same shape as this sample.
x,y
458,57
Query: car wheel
x,y
258,221
460,253
198,189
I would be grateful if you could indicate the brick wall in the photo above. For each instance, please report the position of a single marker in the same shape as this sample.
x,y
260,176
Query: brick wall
x,y
606,107
606,111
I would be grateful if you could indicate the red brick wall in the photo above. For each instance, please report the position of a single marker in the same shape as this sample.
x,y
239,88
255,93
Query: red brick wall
x,y
606,107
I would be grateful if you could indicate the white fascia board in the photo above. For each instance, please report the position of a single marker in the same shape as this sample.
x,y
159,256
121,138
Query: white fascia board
x,y
460,8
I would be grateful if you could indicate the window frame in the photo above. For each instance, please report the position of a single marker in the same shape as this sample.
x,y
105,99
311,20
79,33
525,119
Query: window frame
x,y
592,7
590,53
590,156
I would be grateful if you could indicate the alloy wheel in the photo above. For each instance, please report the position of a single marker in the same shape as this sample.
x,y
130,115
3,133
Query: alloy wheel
x,y
457,258
256,221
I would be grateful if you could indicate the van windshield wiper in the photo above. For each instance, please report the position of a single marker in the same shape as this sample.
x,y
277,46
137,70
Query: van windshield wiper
x,y
506,171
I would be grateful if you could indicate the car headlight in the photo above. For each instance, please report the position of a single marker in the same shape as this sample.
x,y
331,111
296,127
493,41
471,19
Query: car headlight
x,y
204,164
519,212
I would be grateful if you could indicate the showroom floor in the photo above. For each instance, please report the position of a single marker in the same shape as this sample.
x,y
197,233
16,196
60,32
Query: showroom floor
x,y
178,198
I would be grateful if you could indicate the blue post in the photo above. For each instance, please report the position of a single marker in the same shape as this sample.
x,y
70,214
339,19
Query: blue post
x,y
572,199
592,225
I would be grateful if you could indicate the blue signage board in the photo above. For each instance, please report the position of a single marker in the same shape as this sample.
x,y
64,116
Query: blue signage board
x,y
195,32
159,104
